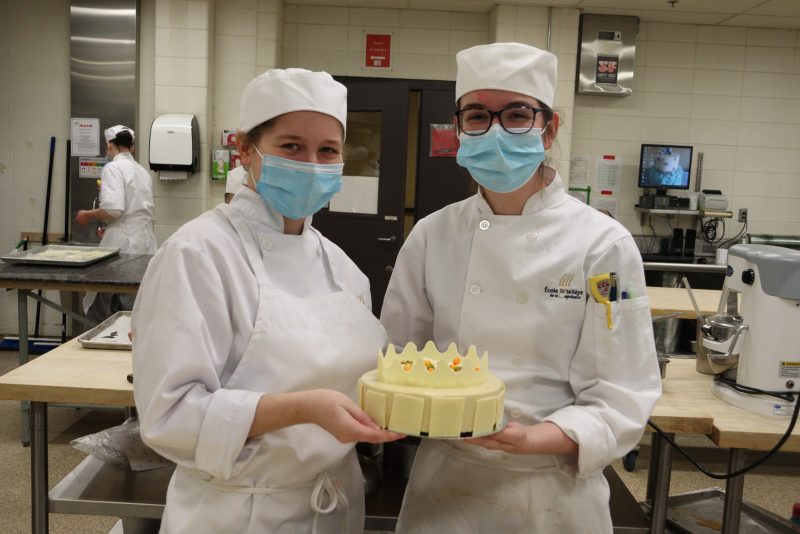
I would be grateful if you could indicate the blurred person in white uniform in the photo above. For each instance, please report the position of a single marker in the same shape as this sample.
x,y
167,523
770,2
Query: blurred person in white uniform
x,y
126,206
251,330
506,270
236,179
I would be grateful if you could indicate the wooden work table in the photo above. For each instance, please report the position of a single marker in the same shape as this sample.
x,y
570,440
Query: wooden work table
x,y
667,300
72,374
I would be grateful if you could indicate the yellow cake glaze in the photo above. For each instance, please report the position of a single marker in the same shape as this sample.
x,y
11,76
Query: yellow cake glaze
x,y
433,394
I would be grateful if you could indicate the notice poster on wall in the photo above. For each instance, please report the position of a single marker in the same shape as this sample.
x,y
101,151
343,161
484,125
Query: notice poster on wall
x,y
444,141
609,174
607,67
85,135
579,170
91,167
378,50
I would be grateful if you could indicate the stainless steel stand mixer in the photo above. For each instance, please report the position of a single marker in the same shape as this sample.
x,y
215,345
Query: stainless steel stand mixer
x,y
755,350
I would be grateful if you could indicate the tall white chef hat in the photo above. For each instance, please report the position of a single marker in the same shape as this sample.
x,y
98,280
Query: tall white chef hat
x,y
111,133
513,67
279,91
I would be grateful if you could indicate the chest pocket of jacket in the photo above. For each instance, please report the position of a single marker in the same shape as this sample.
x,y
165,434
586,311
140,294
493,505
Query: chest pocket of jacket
x,y
627,344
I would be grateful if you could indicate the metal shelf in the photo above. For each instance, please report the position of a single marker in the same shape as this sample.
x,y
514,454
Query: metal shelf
x,y
644,212
678,211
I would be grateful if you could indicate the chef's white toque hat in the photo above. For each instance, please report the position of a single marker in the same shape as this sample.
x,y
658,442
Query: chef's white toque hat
x,y
279,91
111,133
513,67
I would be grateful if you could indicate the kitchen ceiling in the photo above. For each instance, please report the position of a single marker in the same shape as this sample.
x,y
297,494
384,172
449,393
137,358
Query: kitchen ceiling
x,y
752,13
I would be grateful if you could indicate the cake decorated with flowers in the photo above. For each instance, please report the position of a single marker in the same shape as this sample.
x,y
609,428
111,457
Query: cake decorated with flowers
x,y
434,394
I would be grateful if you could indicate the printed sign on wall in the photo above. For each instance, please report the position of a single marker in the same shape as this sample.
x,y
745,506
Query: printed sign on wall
x,y
607,67
378,49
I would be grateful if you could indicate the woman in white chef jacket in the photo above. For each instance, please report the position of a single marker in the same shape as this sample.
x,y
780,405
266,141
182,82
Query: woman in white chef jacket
x,y
251,329
126,205
506,270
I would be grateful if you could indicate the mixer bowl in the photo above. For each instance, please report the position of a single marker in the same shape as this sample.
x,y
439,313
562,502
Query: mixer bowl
x,y
720,327
719,363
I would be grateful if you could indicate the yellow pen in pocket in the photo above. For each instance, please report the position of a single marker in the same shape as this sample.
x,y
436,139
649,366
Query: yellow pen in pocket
x,y
600,288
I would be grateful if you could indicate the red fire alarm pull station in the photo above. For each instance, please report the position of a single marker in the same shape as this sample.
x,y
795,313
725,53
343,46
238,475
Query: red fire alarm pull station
x,y
378,51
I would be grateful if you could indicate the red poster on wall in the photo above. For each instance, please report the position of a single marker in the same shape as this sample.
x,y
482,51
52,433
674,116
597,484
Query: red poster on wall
x,y
378,50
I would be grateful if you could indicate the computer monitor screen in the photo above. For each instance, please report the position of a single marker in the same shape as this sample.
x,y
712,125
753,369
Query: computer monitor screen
x,y
665,166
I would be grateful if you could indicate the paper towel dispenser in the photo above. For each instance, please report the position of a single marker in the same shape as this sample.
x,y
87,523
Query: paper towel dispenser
x,y
606,55
175,143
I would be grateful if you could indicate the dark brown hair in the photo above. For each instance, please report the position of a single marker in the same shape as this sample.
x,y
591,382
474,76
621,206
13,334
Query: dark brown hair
x,y
123,139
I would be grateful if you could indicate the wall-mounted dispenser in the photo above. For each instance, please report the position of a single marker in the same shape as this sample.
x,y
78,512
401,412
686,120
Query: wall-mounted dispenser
x,y
606,55
174,145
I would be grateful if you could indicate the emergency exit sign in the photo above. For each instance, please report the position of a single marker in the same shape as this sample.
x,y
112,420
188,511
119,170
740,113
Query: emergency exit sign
x,y
378,50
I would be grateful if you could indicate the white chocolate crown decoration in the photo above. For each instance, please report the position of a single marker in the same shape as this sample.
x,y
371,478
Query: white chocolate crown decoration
x,y
431,368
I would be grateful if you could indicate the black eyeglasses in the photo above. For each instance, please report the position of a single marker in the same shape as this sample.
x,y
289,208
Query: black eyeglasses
x,y
513,119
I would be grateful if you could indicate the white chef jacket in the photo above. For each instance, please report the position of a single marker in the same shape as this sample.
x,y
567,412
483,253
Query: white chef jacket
x,y
516,286
236,179
126,191
127,187
193,326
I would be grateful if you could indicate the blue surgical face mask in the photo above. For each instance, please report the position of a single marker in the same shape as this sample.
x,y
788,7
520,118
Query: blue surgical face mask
x,y
501,161
297,189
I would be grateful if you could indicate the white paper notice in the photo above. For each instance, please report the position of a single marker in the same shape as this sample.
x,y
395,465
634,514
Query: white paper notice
x,y
359,194
85,134
579,170
609,175
611,205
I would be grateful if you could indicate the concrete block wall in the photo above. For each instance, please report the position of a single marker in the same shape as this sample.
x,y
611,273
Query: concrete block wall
x,y
733,93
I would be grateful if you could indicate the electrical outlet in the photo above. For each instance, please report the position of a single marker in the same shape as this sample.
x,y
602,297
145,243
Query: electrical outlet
x,y
742,215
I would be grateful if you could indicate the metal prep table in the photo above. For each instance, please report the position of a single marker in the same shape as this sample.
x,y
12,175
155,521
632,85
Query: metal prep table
x,y
119,274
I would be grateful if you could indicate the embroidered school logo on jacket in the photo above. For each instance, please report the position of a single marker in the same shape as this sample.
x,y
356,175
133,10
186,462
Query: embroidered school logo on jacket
x,y
564,290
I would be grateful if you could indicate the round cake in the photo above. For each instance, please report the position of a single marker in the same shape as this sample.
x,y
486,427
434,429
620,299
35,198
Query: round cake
x,y
433,394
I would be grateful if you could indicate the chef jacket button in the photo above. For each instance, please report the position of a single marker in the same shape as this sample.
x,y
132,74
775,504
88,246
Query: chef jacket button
x,y
516,413
516,361
522,298
474,289
533,235
267,245
484,225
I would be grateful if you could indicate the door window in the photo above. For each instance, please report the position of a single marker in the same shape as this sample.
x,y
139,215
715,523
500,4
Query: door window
x,y
361,176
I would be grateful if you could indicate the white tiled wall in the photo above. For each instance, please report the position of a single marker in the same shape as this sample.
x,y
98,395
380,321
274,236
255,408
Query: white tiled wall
x,y
423,46
247,37
425,43
732,93
182,83
34,106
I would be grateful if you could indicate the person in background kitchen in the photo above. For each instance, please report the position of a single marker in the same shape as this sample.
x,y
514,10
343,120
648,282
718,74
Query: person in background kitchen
x,y
507,270
251,330
236,179
126,205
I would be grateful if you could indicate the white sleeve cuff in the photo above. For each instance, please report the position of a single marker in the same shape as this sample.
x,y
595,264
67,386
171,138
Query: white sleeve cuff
x,y
221,447
585,429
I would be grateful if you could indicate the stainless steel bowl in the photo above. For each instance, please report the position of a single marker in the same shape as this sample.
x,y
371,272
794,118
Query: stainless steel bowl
x,y
721,327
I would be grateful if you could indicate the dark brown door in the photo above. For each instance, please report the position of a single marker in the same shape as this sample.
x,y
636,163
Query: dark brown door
x,y
440,181
366,218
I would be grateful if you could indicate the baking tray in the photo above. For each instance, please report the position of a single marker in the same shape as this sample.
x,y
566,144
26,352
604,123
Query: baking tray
x,y
110,334
66,255
700,512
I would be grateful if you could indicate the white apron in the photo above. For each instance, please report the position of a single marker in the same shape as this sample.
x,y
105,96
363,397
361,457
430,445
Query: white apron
x,y
133,235
298,479
456,487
